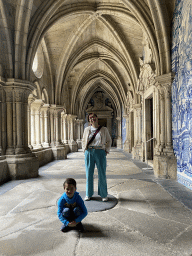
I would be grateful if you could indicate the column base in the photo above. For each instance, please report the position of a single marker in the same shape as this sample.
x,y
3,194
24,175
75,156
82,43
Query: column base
x,y
165,166
73,146
4,173
22,166
79,143
137,152
119,143
59,152
127,147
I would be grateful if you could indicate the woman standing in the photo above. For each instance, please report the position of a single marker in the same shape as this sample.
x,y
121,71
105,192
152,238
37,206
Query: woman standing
x,y
96,144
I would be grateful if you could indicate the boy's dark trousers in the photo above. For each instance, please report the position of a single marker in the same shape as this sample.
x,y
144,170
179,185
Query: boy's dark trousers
x,y
71,214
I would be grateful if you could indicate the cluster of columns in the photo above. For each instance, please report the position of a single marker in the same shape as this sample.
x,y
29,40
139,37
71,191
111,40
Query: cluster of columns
x,y
28,127
50,126
164,141
20,162
138,127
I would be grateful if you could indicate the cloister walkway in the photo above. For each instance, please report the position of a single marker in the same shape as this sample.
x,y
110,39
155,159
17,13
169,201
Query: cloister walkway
x,y
149,219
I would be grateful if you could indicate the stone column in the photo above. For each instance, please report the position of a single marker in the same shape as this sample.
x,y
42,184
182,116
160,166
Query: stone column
x,y
52,126
1,119
58,149
169,147
20,120
45,125
79,133
81,128
9,104
31,99
65,129
36,112
119,139
21,162
72,144
162,118
165,163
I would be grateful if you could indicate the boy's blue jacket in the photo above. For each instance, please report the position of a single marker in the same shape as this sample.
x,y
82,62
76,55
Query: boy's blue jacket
x,y
64,202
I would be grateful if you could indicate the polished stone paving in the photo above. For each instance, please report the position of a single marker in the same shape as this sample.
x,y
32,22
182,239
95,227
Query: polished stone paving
x,y
152,216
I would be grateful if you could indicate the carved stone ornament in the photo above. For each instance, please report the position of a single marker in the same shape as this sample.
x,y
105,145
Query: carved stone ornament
x,y
146,78
99,100
18,95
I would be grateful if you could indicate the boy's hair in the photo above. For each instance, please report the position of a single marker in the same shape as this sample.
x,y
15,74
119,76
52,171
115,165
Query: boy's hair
x,y
69,181
91,114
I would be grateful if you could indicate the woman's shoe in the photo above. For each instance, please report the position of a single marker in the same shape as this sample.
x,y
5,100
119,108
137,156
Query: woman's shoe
x,y
87,198
105,199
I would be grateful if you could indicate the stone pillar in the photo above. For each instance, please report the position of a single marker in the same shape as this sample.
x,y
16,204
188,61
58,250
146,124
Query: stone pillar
x,y
119,139
72,144
9,104
21,162
65,130
79,133
1,96
31,124
36,123
137,151
45,125
165,163
169,147
58,149
162,119
52,126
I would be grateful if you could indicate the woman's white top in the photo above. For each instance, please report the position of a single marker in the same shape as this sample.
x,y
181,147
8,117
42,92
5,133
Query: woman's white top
x,y
97,141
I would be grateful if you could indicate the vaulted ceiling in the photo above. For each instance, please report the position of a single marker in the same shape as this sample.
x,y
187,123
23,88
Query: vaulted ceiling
x,y
91,45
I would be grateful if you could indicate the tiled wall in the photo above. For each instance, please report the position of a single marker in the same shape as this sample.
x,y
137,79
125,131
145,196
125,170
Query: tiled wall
x,y
182,90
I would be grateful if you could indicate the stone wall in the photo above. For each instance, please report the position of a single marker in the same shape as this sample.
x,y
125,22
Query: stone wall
x,y
182,90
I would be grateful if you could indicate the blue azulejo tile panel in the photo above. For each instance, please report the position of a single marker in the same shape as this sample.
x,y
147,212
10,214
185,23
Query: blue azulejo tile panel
x,y
182,90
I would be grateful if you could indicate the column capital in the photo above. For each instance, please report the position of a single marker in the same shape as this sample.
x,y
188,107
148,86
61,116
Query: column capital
x,y
165,79
37,104
46,107
22,84
137,106
72,117
118,118
56,108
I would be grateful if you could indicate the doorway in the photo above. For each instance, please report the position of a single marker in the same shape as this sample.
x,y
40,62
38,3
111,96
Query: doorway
x,y
102,122
149,128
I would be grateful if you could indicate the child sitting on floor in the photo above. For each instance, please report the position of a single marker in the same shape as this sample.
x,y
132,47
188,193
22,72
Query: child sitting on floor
x,y
71,207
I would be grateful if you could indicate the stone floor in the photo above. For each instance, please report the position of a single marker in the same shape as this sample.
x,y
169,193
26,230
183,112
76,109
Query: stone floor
x,y
152,216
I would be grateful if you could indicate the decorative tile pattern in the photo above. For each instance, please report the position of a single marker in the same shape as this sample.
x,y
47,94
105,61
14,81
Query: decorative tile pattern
x,y
182,90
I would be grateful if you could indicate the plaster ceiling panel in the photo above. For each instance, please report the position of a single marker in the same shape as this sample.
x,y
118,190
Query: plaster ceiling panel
x,y
97,30
59,36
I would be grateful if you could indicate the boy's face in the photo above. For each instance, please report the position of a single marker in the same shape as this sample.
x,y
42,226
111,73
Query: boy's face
x,y
69,190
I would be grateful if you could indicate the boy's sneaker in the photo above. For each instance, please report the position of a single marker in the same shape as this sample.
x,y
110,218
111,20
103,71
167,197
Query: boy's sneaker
x,y
105,199
87,198
80,227
65,228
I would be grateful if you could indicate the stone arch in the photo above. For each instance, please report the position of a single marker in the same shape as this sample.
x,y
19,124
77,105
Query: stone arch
x,y
45,96
7,66
89,92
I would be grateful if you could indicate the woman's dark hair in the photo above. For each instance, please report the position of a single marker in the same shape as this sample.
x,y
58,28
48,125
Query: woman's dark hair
x,y
69,181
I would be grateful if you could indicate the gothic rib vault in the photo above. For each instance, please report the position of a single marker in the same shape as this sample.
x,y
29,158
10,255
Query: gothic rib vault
x,y
58,56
